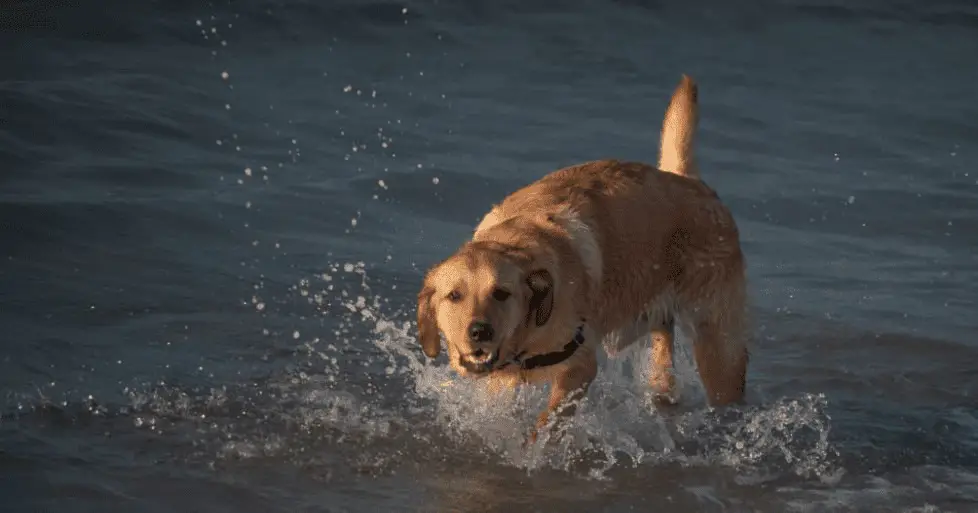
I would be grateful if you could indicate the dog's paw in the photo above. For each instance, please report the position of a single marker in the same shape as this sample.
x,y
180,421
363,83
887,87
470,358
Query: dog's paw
x,y
541,431
531,439
545,434
663,389
665,400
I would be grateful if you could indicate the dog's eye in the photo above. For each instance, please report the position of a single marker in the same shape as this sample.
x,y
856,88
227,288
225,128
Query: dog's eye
x,y
500,295
454,296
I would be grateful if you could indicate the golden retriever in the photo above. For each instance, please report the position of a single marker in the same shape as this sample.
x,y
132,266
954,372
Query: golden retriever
x,y
602,251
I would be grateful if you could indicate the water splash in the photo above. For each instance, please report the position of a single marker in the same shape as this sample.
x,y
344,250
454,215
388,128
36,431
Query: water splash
x,y
367,394
617,425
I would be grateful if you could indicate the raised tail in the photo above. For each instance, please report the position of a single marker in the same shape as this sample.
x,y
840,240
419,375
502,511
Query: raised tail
x,y
679,130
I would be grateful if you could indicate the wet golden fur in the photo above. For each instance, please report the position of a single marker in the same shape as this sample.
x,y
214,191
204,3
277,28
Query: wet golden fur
x,y
625,248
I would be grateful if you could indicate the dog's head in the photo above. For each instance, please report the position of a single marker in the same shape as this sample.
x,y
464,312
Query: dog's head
x,y
483,299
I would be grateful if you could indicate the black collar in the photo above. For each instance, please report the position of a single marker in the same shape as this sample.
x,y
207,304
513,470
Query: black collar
x,y
548,359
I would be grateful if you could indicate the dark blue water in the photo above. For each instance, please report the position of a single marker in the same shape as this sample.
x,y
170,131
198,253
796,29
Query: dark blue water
x,y
207,280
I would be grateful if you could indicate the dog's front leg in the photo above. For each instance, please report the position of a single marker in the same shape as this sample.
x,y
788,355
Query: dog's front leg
x,y
568,387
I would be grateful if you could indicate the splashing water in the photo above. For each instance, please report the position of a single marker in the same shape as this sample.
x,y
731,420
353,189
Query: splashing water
x,y
370,396
617,424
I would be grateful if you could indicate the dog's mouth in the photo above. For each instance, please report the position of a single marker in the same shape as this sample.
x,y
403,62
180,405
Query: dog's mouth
x,y
479,361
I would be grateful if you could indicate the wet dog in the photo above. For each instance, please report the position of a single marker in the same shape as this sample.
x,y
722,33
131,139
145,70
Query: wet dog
x,y
603,251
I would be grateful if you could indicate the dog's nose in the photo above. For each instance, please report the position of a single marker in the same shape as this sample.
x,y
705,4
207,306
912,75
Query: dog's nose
x,y
480,331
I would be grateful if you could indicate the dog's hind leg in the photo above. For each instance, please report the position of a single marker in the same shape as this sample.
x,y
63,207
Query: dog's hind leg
x,y
661,376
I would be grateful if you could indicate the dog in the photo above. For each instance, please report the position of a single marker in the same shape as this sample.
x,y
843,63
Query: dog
x,y
598,254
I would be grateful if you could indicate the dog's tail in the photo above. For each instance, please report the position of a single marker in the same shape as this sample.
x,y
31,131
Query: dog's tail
x,y
679,129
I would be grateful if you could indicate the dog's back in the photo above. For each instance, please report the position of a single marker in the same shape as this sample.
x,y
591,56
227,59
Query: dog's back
x,y
661,235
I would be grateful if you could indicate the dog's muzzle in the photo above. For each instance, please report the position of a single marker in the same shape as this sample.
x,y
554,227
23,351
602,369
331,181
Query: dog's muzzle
x,y
479,361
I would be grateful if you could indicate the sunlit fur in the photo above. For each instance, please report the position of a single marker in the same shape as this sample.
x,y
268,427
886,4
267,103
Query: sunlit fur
x,y
475,272
625,248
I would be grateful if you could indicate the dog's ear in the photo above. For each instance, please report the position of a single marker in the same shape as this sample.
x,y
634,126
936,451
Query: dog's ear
x,y
427,324
541,285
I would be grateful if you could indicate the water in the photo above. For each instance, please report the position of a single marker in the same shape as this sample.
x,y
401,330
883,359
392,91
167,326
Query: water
x,y
214,220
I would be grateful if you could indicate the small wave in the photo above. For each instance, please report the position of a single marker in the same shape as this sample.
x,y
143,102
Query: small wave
x,y
951,14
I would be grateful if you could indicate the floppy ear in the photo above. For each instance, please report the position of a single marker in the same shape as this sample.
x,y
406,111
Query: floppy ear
x,y
427,324
541,283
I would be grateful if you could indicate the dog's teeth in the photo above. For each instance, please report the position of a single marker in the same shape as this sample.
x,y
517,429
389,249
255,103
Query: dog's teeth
x,y
483,360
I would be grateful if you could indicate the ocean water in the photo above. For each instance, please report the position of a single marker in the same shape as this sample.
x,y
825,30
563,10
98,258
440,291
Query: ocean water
x,y
214,219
